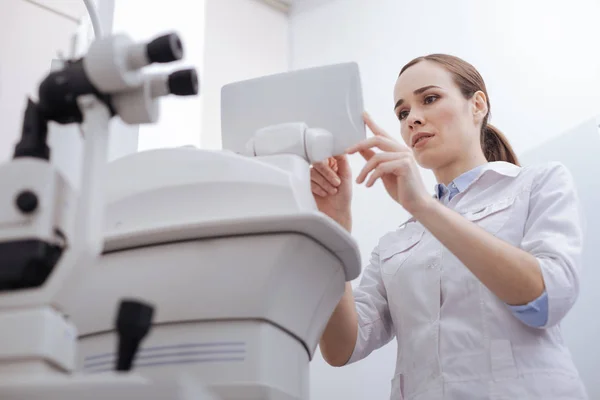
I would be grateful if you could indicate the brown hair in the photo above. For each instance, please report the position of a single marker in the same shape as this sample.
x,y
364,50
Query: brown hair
x,y
494,144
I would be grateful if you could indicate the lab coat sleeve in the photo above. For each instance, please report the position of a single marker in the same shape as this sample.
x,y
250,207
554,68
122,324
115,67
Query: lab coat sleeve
x,y
554,235
375,327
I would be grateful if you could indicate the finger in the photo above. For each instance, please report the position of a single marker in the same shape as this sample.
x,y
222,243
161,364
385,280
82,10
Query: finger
x,y
323,183
373,163
382,143
344,172
373,127
318,190
367,154
379,172
329,174
333,164
388,167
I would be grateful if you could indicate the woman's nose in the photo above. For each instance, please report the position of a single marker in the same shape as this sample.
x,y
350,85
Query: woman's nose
x,y
414,119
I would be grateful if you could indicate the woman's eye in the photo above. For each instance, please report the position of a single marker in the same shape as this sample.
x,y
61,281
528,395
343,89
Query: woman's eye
x,y
402,115
430,99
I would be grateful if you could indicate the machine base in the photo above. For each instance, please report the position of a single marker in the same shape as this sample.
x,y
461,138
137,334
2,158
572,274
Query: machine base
x,y
36,341
107,386
246,359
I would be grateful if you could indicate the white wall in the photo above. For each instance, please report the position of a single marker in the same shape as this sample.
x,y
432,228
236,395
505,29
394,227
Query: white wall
x,y
180,117
542,72
244,39
578,149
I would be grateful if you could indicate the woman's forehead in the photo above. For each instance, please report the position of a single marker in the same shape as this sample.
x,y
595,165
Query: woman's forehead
x,y
420,75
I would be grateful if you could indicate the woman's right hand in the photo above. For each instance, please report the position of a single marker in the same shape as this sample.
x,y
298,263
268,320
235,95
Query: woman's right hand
x,y
331,184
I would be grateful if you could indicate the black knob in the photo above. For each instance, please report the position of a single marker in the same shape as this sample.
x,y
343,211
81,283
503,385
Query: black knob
x,y
27,202
165,49
184,82
133,323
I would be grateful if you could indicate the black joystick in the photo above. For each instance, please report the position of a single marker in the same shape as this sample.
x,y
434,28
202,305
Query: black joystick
x,y
133,323
165,49
184,82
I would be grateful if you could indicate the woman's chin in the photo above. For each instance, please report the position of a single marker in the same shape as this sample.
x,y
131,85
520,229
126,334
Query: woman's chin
x,y
428,159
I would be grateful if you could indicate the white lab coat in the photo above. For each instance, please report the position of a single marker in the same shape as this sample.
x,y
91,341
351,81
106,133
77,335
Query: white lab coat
x,y
456,339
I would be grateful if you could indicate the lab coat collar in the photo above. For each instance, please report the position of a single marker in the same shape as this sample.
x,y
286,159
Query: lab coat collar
x,y
498,167
502,168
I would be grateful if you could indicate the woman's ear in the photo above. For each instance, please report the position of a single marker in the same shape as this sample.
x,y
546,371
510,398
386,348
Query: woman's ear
x,y
480,108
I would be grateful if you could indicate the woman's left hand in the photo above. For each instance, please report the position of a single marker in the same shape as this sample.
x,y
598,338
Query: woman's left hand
x,y
395,165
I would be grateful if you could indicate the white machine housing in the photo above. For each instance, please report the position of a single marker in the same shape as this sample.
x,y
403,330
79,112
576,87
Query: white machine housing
x,y
243,270
327,97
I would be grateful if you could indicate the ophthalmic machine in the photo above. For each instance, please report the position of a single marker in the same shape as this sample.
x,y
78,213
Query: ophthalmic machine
x,y
173,273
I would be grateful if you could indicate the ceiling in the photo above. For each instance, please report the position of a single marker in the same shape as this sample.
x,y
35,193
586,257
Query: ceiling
x,y
293,6
75,9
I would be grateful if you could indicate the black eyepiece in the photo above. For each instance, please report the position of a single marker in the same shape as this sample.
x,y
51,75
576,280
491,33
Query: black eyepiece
x,y
165,49
184,82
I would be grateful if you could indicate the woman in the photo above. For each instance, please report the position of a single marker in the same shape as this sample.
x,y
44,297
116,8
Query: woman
x,y
475,284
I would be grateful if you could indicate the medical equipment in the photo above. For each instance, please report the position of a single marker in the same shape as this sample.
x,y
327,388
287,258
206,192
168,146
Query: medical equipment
x,y
50,235
242,268
222,257
94,18
326,103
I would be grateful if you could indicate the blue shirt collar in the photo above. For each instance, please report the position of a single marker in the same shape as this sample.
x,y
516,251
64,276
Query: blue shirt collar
x,y
461,183
465,180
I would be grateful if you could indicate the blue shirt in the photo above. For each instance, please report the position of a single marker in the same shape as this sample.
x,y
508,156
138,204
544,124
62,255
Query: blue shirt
x,y
535,313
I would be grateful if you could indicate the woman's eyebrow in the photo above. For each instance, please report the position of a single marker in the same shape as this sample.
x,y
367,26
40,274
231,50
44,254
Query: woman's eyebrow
x,y
416,92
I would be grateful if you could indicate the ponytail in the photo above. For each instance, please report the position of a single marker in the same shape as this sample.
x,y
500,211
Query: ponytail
x,y
495,145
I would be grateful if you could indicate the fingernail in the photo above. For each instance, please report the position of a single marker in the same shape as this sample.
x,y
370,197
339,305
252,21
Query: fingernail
x,y
337,181
333,190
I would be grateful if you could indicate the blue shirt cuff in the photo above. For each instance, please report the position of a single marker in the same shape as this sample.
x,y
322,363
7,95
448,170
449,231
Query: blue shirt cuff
x,y
534,313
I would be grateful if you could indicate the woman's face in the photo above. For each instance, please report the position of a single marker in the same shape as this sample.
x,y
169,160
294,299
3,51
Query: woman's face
x,y
436,121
